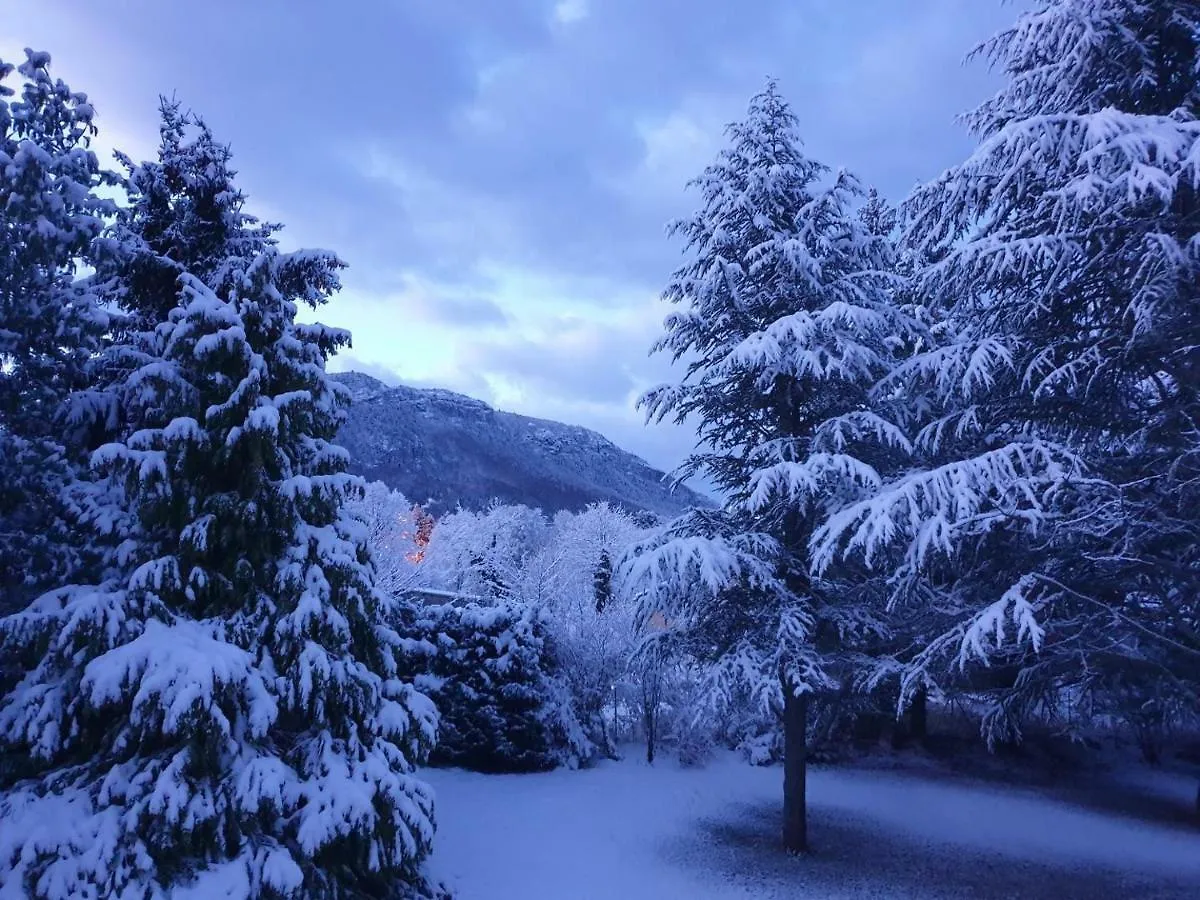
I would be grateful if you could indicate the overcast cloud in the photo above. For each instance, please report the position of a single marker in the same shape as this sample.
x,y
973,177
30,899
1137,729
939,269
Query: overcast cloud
x,y
498,173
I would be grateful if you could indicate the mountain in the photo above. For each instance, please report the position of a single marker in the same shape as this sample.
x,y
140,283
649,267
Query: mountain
x,y
445,449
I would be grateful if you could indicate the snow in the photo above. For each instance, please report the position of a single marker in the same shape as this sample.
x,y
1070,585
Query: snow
x,y
628,830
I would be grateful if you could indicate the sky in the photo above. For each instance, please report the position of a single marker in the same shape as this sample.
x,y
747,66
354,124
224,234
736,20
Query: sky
x,y
498,174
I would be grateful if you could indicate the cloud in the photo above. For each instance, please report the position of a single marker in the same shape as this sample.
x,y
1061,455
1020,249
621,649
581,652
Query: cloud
x,y
568,12
579,363
431,302
498,175
460,312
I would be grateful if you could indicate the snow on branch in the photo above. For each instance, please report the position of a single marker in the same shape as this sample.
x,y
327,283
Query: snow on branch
x,y
799,481
986,632
672,561
927,508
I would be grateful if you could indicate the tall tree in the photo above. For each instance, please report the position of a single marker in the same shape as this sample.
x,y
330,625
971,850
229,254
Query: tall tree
x,y
222,710
786,320
1057,421
51,324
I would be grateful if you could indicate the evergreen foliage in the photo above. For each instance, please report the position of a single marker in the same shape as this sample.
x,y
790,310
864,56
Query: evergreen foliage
x,y
495,677
221,710
51,321
787,319
1055,422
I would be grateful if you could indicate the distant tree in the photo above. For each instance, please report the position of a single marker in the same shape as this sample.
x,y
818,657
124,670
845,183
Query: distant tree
x,y
602,581
393,533
423,525
595,647
484,553
786,320
222,710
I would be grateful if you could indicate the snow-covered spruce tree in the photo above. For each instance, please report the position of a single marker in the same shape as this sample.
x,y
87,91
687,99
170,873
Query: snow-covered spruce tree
x,y
602,581
221,714
495,675
51,323
1058,420
786,322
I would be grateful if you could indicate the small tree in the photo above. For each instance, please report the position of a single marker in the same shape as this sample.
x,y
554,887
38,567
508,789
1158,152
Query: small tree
x,y
602,581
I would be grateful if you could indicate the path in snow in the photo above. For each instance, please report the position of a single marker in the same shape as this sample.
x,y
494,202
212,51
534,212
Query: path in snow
x,y
628,831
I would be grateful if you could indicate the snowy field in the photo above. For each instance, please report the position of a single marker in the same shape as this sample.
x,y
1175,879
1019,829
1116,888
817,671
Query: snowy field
x,y
628,831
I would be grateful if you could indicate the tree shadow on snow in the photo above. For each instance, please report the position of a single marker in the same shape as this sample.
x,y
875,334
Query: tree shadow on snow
x,y
854,857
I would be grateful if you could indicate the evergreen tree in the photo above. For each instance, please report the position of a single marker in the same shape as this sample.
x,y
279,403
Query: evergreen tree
x,y
602,581
51,323
222,711
1056,420
786,322
496,677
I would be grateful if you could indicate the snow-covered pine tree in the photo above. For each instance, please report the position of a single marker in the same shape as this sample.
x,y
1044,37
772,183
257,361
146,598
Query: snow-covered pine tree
x,y
221,714
786,322
1057,420
497,679
51,323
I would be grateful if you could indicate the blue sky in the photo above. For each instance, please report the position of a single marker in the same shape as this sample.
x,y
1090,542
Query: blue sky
x,y
498,173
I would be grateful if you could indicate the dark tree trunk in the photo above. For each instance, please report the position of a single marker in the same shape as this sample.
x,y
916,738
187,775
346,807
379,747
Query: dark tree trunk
x,y
918,714
649,722
651,690
795,752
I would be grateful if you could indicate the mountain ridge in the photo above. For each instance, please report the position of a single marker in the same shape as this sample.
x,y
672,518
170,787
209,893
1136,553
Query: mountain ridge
x,y
445,449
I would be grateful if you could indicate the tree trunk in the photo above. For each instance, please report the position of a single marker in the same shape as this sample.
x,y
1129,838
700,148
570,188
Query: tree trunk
x,y
918,713
651,690
649,721
795,751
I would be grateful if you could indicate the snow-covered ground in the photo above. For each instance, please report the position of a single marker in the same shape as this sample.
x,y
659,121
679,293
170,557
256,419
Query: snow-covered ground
x,y
630,831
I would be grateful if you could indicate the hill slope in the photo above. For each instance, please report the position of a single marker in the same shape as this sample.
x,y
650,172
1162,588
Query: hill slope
x,y
448,449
